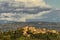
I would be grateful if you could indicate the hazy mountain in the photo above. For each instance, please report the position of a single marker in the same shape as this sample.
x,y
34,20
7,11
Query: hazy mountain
x,y
5,21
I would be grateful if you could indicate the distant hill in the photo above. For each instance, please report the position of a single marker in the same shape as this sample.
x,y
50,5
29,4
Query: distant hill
x,y
15,25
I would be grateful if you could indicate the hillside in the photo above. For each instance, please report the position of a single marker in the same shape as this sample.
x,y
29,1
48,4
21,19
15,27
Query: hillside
x,y
30,33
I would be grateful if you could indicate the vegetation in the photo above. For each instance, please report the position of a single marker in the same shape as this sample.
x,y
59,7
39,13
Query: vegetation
x,y
30,33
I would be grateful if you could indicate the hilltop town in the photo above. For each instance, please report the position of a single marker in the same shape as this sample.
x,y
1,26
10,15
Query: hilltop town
x,y
30,33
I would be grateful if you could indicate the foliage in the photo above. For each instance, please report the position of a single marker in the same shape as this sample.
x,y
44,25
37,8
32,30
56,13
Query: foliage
x,y
18,35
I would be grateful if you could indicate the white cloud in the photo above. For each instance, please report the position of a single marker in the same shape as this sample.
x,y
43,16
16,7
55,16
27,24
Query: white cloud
x,y
30,3
6,0
21,17
34,16
57,9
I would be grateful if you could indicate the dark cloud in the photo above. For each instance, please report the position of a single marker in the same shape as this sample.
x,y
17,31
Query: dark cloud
x,y
10,8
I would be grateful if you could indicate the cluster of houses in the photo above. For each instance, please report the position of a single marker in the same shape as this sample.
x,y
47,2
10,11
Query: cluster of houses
x,y
34,30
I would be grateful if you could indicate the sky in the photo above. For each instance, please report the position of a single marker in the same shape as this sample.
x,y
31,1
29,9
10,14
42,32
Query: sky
x,y
22,10
53,3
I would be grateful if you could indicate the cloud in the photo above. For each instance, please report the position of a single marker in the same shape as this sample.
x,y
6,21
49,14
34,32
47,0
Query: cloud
x,y
21,10
8,8
31,3
25,6
6,0
57,9
21,17
34,16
